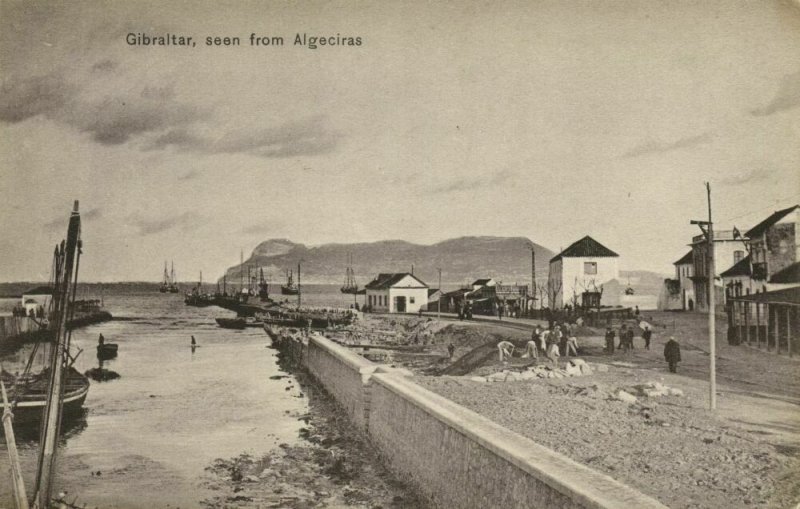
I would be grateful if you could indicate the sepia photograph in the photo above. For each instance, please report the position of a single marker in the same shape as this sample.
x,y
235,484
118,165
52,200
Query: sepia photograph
x,y
400,254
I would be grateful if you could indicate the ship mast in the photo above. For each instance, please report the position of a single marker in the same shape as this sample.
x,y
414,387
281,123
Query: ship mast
x,y
67,258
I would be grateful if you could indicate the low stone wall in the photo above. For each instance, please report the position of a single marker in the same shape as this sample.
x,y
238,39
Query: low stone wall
x,y
460,459
456,457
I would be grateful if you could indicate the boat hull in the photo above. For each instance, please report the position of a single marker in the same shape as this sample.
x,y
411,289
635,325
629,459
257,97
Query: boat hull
x,y
31,403
286,290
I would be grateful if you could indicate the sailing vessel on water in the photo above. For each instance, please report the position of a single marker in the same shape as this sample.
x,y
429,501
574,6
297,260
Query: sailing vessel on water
x,y
350,285
58,388
289,288
164,288
173,287
263,287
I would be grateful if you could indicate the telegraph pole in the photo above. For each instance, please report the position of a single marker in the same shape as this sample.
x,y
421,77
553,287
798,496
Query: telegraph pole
x,y
439,300
708,231
533,277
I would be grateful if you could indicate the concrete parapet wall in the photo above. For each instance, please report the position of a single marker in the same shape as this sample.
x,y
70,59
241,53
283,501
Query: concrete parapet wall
x,y
344,374
456,457
461,459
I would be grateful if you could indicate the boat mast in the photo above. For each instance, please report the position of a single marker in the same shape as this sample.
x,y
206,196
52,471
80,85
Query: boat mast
x,y
67,259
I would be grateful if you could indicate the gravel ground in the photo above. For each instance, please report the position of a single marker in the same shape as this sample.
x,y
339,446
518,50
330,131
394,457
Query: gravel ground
x,y
668,447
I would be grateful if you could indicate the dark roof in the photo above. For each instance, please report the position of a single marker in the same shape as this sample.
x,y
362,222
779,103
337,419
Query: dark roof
x,y
587,246
431,291
687,258
786,296
786,275
387,280
740,268
481,282
767,223
39,290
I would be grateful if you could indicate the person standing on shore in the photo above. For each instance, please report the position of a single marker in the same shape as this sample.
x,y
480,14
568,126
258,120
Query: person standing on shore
x,y
610,340
552,346
646,335
672,354
451,349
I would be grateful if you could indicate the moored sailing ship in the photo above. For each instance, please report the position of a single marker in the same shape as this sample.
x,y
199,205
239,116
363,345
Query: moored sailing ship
x,y
290,288
350,285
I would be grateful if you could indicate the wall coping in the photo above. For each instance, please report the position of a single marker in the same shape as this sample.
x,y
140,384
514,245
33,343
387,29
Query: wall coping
x,y
355,361
588,487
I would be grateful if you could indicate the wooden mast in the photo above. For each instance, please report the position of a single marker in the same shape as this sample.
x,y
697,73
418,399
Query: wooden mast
x,y
69,254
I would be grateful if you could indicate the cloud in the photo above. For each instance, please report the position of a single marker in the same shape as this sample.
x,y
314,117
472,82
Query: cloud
x,y
190,175
186,222
104,65
110,120
470,184
787,97
301,137
60,222
750,177
38,95
657,147
264,227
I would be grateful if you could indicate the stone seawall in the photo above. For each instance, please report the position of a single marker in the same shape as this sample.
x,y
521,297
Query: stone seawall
x,y
455,457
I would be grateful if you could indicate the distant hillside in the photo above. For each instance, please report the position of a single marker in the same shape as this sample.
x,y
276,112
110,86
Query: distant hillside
x,y
507,259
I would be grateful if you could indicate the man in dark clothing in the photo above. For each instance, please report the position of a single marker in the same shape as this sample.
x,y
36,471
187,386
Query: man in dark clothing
x,y
672,354
623,337
610,340
451,349
646,335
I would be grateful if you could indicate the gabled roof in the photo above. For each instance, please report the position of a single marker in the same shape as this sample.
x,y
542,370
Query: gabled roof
x,y
585,247
740,268
685,259
387,280
482,282
767,223
432,291
787,275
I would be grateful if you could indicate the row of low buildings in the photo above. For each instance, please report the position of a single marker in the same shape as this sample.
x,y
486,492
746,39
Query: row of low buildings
x,y
577,276
764,258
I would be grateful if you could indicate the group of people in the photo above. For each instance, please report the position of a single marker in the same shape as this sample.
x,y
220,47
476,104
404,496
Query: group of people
x,y
465,311
19,311
509,310
626,338
555,341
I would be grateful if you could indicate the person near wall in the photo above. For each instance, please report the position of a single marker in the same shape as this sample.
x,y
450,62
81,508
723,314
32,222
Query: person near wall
x,y
623,338
672,354
552,346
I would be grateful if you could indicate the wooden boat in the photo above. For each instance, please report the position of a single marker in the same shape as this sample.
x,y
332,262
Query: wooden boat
x,y
107,351
238,323
30,392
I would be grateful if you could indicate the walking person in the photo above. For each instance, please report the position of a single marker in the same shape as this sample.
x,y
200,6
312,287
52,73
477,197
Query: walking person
x,y
623,335
572,341
672,354
646,335
451,349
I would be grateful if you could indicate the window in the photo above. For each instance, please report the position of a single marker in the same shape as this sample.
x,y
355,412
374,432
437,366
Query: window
x,y
590,268
411,300
737,256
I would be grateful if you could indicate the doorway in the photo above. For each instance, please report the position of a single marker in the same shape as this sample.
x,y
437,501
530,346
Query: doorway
x,y
400,304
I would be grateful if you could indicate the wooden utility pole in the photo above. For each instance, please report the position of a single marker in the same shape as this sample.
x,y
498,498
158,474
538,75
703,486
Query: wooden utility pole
x,y
439,300
707,227
533,274
712,342
299,293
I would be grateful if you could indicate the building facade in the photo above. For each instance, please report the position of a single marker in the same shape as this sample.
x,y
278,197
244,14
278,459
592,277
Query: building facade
x,y
578,273
400,292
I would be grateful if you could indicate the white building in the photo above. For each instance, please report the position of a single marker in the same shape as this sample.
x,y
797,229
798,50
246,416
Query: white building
x,y
400,292
37,300
578,273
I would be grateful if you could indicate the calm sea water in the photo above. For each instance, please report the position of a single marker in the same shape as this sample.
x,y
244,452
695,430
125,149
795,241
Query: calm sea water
x,y
152,432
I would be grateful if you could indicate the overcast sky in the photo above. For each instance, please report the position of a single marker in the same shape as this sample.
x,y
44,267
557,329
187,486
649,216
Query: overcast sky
x,y
550,120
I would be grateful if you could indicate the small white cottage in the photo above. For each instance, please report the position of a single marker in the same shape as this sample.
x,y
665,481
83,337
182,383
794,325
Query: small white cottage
x,y
400,292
